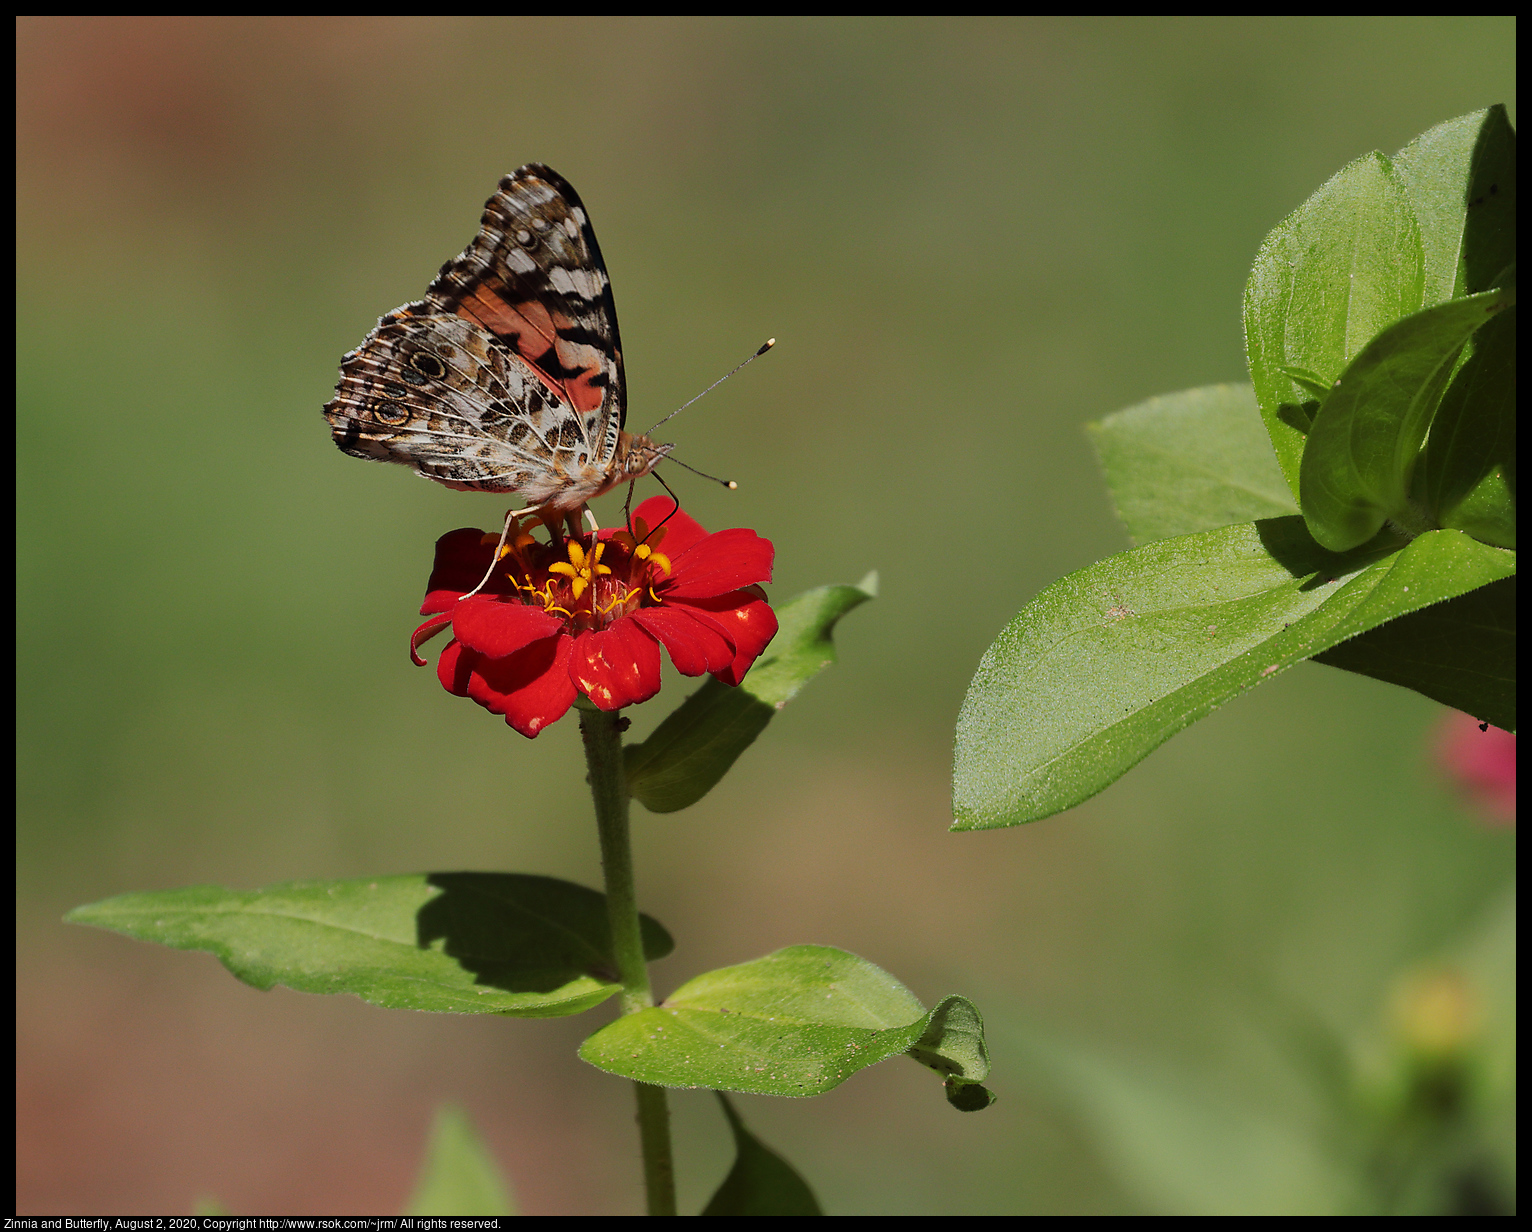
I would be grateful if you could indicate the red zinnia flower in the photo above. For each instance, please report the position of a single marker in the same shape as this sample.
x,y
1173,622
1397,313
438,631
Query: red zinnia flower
x,y
556,621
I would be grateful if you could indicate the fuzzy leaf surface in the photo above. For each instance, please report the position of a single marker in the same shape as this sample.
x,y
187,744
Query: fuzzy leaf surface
x,y
1460,178
457,943
1109,662
953,1045
1334,273
797,1022
1189,461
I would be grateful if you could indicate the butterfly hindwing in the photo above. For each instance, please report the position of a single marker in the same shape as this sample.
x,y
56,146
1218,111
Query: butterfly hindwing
x,y
439,394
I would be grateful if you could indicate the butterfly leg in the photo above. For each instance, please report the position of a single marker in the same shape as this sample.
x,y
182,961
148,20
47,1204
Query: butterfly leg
x,y
510,520
572,520
627,506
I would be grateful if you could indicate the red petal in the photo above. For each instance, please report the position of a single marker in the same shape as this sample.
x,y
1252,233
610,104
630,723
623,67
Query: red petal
x,y
681,530
530,688
500,627
462,557
454,668
748,621
424,634
616,666
695,646
545,699
722,562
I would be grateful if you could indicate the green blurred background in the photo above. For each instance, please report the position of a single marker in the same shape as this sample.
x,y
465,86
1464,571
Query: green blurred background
x,y
969,238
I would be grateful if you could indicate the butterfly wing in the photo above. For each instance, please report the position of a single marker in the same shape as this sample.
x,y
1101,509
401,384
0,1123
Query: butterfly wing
x,y
507,376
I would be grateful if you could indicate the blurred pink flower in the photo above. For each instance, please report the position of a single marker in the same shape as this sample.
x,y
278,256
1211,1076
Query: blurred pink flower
x,y
1481,762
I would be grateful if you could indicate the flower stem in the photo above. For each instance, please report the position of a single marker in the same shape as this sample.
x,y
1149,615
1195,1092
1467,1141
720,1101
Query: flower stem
x,y
600,731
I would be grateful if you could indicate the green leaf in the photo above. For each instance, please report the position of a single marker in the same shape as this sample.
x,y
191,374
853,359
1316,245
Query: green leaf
x,y
1460,178
458,943
1342,267
460,1176
687,754
1311,381
953,1045
1467,472
1361,451
761,1182
797,1022
1108,663
1461,653
1189,461
693,747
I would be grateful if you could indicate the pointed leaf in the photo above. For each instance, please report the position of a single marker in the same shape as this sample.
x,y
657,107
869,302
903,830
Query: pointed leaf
x,y
1343,266
693,748
1361,450
1460,178
797,1022
459,1177
761,1182
1189,461
459,943
1108,663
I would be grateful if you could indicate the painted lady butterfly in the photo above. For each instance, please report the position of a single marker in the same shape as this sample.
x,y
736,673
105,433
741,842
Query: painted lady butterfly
x,y
507,376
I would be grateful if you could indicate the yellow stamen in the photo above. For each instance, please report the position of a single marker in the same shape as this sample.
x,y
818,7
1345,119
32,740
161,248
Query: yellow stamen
x,y
517,539
581,571
641,542
619,601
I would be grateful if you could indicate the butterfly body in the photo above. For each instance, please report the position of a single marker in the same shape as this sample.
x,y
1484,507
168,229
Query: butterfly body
x,y
507,376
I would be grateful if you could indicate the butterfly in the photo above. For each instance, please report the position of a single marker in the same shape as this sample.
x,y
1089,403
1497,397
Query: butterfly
x,y
507,376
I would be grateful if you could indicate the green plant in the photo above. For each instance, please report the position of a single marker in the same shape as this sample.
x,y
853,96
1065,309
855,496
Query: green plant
x,y
1354,504
795,1023
1371,525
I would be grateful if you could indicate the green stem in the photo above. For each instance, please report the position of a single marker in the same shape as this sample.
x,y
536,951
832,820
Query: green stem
x,y
601,733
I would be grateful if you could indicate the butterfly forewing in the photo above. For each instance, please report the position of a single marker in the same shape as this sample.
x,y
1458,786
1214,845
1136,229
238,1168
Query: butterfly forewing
x,y
534,277
507,376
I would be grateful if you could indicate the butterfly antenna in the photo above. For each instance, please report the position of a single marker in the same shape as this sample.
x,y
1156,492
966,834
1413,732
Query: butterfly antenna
x,y
764,347
728,483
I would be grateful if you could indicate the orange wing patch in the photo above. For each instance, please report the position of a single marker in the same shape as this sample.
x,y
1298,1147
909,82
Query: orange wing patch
x,y
507,376
529,321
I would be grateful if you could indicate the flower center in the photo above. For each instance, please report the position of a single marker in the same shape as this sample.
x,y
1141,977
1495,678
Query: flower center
x,y
581,570
585,591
